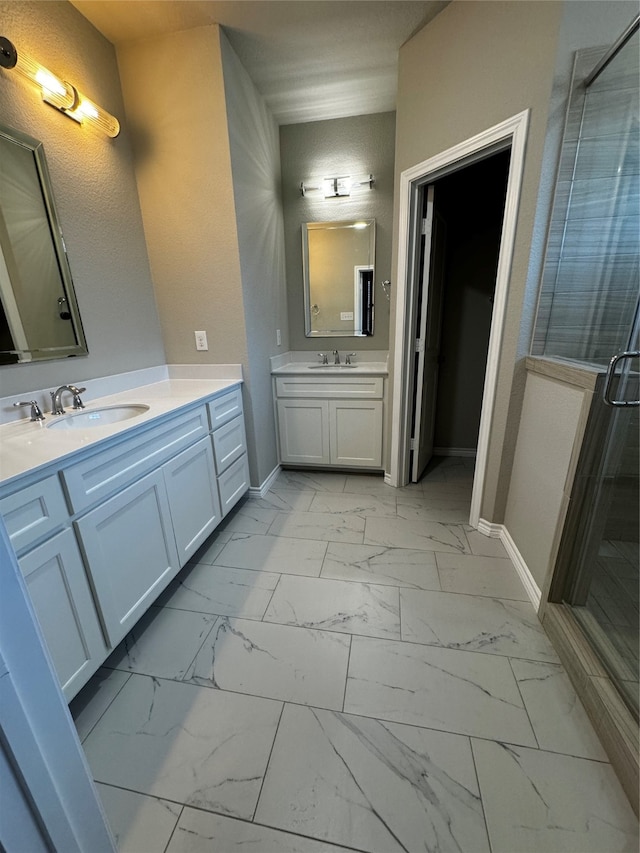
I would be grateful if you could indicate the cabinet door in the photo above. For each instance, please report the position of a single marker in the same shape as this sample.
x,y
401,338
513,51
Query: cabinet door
x,y
131,552
355,428
193,497
303,428
59,590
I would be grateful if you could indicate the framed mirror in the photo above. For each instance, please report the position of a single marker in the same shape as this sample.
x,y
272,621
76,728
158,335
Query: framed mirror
x,y
338,260
39,317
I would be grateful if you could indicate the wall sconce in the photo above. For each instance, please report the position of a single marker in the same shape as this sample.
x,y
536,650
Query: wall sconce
x,y
56,92
338,187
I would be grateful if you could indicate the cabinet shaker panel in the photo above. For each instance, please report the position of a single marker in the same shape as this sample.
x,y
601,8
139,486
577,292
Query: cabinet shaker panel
x,y
229,443
131,552
355,430
193,497
303,428
59,590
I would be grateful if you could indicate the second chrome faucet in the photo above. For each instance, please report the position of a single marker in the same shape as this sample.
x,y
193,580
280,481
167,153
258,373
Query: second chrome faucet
x,y
56,398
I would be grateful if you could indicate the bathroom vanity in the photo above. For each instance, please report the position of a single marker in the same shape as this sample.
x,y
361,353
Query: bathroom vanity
x,y
330,415
103,517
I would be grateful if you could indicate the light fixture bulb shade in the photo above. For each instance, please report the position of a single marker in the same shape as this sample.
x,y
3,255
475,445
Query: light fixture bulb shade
x,y
88,111
56,91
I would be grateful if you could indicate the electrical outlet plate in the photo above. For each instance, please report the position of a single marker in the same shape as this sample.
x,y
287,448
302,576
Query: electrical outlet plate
x,y
201,341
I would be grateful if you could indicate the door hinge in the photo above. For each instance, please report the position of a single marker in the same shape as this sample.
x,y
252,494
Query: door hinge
x,y
413,444
419,345
424,227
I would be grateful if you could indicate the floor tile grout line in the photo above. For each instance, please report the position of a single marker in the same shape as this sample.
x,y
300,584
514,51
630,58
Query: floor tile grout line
x,y
215,626
484,814
268,762
173,831
264,612
346,674
524,704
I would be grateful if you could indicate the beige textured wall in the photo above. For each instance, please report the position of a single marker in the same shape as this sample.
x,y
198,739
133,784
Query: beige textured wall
x,y
551,426
96,197
475,65
174,96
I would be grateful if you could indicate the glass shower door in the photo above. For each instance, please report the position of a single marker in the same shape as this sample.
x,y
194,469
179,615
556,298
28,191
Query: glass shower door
x,y
588,313
604,592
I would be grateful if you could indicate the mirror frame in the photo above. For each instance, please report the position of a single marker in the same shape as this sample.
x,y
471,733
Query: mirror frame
x,y
49,353
316,226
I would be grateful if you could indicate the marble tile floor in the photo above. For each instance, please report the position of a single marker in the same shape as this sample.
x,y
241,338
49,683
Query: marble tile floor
x,y
345,666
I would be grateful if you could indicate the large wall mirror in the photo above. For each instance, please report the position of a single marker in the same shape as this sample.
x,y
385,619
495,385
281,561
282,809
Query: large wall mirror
x,y
338,264
39,317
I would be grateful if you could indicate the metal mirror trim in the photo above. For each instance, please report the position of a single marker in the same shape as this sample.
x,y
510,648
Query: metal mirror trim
x,y
338,261
39,316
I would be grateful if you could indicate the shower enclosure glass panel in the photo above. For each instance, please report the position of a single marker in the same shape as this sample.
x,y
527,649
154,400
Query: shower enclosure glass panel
x,y
588,311
590,280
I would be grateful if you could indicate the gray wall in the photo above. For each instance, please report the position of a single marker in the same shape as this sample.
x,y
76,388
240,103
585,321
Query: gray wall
x,y
255,167
95,189
356,146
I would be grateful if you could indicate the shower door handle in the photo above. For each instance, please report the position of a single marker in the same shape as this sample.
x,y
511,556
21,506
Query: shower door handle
x,y
611,371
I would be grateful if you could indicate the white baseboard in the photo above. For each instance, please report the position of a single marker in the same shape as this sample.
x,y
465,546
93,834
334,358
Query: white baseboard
x,y
455,451
261,490
487,528
387,479
499,531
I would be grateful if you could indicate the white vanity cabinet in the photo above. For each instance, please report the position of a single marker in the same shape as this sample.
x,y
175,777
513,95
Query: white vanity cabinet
x,y
194,503
330,420
131,552
99,537
57,581
59,590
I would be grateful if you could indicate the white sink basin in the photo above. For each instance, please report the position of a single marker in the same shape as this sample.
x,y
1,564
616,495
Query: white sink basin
x,y
331,366
98,417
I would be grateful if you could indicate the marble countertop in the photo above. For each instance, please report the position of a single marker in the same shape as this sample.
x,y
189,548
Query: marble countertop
x,y
26,446
367,368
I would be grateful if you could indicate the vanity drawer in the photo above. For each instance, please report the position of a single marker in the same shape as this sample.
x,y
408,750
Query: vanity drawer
x,y
34,512
226,408
97,477
229,443
233,484
368,387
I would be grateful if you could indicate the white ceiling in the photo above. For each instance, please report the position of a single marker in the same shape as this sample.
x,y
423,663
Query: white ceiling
x,y
311,59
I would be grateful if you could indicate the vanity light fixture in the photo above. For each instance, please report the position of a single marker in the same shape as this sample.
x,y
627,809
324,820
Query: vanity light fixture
x,y
338,187
56,92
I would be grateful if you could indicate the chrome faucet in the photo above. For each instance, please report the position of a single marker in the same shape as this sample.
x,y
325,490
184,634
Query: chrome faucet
x,y
324,358
56,398
336,357
348,357
36,412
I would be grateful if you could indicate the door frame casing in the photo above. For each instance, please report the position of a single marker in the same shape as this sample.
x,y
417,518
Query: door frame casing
x,y
509,134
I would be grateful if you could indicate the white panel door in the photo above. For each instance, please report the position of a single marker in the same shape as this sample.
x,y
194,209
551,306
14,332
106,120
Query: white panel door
x,y
193,497
355,430
131,552
59,590
303,427
428,338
